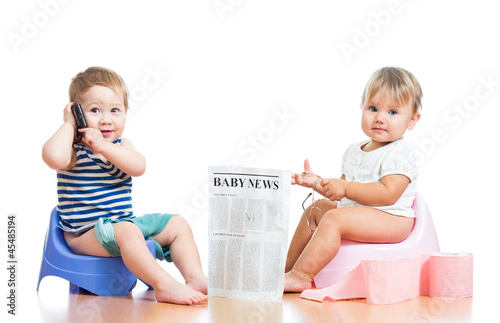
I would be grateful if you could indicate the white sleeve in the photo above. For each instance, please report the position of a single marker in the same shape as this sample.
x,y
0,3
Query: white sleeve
x,y
400,159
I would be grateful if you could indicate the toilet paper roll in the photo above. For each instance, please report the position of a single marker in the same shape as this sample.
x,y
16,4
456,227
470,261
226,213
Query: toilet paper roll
x,y
450,275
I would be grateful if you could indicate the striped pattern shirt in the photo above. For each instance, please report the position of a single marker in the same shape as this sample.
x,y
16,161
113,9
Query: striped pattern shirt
x,y
92,190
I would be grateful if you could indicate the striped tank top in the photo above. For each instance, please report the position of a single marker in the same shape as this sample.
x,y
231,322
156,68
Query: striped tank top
x,y
92,190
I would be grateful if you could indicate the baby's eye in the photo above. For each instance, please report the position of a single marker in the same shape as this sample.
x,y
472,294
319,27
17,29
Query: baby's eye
x,y
94,110
372,109
393,112
115,110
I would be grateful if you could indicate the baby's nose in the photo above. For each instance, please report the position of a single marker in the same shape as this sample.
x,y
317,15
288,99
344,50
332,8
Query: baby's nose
x,y
105,120
379,118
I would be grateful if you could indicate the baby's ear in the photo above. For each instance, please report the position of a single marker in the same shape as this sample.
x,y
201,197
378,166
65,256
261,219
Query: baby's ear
x,y
414,120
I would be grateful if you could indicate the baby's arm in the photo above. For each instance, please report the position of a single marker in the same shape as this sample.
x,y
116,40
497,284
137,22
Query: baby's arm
x,y
386,192
58,152
123,156
126,158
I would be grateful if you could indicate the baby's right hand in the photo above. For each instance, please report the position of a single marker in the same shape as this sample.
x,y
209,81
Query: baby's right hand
x,y
68,115
306,178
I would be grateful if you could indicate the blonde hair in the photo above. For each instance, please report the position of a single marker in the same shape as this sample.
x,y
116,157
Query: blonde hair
x,y
401,85
83,81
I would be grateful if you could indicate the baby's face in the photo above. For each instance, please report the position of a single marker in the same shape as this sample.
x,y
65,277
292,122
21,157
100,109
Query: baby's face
x,y
385,120
104,110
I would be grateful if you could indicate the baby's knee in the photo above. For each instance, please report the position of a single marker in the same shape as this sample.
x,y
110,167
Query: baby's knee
x,y
127,231
179,224
331,218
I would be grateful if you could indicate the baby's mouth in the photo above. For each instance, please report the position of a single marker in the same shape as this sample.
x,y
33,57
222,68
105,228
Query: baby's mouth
x,y
106,132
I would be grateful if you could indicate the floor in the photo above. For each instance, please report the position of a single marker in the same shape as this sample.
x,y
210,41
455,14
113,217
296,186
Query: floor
x,y
56,303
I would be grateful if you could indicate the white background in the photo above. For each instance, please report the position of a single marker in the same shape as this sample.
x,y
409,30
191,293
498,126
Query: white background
x,y
259,84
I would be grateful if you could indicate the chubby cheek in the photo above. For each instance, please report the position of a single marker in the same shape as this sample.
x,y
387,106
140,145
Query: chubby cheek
x,y
365,124
91,122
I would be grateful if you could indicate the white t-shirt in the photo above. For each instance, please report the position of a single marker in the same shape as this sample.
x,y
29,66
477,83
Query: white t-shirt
x,y
396,157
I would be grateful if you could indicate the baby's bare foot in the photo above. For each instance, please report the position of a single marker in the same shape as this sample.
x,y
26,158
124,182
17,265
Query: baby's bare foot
x,y
198,283
296,283
174,292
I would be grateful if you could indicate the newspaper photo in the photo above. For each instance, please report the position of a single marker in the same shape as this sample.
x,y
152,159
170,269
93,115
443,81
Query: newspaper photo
x,y
248,232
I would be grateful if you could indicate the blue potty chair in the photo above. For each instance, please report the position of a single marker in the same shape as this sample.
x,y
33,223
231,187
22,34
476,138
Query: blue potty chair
x,y
103,276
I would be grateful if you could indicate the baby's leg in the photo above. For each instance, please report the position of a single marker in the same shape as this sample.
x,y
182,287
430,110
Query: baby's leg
x,y
363,224
86,244
302,233
139,261
183,251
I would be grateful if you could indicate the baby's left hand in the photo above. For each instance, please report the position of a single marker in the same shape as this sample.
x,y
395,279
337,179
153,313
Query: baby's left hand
x,y
334,188
93,137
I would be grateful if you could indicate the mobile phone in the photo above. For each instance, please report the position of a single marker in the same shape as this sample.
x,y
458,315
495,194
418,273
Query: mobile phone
x,y
79,118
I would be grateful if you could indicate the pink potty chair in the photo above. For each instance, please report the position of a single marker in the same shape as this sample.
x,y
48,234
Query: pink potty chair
x,y
422,239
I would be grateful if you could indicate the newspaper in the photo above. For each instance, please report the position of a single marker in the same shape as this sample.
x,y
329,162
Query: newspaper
x,y
248,232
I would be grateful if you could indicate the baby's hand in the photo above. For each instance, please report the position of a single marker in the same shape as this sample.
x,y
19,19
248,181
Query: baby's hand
x,y
93,137
334,188
306,178
68,115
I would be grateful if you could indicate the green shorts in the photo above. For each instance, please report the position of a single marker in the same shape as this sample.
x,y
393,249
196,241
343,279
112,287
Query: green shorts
x,y
149,224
